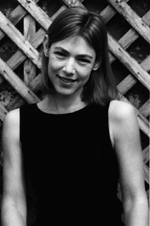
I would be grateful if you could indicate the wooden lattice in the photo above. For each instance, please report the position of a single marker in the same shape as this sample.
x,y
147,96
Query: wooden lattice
x,y
18,87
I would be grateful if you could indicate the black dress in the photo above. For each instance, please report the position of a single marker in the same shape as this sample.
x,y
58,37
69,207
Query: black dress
x,y
70,167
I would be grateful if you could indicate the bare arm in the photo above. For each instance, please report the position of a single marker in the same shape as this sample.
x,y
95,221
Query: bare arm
x,y
13,202
126,139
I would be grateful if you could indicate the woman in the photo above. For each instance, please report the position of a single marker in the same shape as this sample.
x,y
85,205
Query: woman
x,y
76,143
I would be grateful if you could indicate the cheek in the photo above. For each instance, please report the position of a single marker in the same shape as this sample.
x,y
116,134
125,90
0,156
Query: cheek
x,y
85,74
51,68
53,65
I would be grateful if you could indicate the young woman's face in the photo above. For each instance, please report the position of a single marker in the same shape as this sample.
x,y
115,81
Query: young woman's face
x,y
70,64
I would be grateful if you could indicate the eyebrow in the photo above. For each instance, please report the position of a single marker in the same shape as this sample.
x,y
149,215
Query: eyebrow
x,y
80,55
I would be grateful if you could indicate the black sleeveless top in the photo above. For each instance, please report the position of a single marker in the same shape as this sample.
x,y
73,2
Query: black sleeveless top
x,y
70,167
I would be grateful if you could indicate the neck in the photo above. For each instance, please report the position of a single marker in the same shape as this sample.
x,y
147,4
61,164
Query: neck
x,y
61,104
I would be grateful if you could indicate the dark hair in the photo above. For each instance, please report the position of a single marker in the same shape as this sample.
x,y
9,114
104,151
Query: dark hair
x,y
89,25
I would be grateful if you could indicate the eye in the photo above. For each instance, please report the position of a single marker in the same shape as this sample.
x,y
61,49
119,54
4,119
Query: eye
x,y
84,61
60,54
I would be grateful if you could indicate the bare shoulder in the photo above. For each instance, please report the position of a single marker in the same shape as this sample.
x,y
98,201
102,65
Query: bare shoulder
x,y
11,127
12,118
122,111
122,120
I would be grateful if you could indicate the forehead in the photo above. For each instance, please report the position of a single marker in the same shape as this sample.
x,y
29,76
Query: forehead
x,y
74,44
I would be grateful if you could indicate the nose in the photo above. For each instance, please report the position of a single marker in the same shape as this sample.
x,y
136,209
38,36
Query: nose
x,y
69,67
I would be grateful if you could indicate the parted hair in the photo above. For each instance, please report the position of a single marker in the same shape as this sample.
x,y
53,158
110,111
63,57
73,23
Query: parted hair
x,y
89,25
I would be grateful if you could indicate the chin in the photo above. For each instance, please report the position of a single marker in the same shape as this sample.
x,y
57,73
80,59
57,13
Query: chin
x,y
65,93
68,93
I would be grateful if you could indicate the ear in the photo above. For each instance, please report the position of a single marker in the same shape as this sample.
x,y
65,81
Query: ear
x,y
46,46
97,64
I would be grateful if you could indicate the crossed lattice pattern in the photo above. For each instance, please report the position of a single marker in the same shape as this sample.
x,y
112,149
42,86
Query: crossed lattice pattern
x,y
24,27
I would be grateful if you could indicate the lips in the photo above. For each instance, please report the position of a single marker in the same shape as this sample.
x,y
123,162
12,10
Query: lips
x,y
66,80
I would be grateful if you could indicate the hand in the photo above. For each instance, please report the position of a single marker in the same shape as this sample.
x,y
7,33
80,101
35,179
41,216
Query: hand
x,y
72,3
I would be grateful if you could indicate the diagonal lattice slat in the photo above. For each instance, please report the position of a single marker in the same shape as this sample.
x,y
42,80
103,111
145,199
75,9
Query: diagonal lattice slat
x,y
138,24
41,17
129,62
17,83
19,40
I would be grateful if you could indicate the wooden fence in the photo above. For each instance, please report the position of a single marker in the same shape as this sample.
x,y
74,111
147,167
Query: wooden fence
x,y
25,26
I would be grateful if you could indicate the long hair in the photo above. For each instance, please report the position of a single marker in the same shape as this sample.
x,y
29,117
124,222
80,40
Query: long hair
x,y
80,22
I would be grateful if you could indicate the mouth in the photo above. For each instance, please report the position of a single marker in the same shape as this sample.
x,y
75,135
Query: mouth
x,y
66,80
